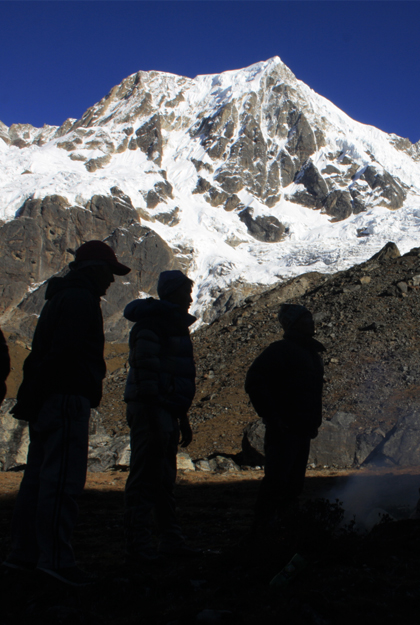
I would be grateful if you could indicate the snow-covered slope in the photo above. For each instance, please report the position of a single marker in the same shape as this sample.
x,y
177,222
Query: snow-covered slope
x,y
250,174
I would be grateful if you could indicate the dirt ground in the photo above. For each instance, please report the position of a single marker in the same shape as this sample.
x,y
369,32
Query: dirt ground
x,y
369,577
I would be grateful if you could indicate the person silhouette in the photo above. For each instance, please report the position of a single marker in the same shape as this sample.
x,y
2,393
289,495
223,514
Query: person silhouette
x,y
285,384
159,391
62,381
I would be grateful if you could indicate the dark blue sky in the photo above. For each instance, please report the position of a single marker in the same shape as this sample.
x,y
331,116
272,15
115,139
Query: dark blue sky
x,y
57,58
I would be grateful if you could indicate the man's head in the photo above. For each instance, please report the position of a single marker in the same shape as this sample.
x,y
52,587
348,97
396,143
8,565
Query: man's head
x,y
297,318
100,261
175,287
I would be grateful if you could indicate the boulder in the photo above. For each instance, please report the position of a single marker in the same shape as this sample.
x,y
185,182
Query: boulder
x,y
161,191
202,186
338,204
170,218
223,464
389,187
401,447
152,199
202,465
313,182
337,444
253,444
225,300
184,462
106,451
388,252
231,203
267,229
14,439
215,197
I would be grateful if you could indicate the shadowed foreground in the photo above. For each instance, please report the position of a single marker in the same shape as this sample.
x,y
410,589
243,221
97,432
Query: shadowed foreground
x,y
372,577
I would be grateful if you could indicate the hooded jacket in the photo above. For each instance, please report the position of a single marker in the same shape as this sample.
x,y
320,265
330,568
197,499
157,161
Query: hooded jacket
x,y
285,383
67,348
162,368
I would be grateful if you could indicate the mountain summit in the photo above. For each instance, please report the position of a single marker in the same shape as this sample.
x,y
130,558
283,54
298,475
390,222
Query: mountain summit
x,y
243,178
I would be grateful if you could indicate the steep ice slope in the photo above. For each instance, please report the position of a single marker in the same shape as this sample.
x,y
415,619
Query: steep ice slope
x,y
250,174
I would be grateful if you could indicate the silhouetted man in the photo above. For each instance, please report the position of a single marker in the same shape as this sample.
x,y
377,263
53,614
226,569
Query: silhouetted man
x,y
62,381
285,387
160,389
4,366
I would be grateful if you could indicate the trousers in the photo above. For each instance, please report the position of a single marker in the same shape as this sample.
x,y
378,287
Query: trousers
x,y
286,457
154,436
46,510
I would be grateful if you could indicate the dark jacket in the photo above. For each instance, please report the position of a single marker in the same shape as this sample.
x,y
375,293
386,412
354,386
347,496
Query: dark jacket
x,y
162,369
67,348
4,366
285,383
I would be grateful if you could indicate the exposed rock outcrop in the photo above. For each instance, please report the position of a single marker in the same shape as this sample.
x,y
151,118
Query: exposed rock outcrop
x,y
41,240
338,204
267,229
389,189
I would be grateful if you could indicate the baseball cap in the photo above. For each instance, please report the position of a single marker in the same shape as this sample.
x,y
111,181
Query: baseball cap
x,y
93,252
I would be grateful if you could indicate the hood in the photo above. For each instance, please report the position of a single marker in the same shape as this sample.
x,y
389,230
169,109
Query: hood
x,y
72,280
142,308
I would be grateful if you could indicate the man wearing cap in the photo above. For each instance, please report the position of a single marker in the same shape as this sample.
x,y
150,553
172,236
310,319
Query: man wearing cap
x,y
284,384
62,381
159,392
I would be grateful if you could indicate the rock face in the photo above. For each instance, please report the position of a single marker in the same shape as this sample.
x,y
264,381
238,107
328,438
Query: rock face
x,y
267,229
41,240
387,188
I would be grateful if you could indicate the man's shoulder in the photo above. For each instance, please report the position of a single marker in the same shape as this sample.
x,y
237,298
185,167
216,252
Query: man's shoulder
x,y
278,347
75,294
272,352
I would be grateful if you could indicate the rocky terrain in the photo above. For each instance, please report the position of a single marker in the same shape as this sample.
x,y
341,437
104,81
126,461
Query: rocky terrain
x,y
369,321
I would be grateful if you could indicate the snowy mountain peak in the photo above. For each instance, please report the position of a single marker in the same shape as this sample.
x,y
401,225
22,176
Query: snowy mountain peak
x,y
249,176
